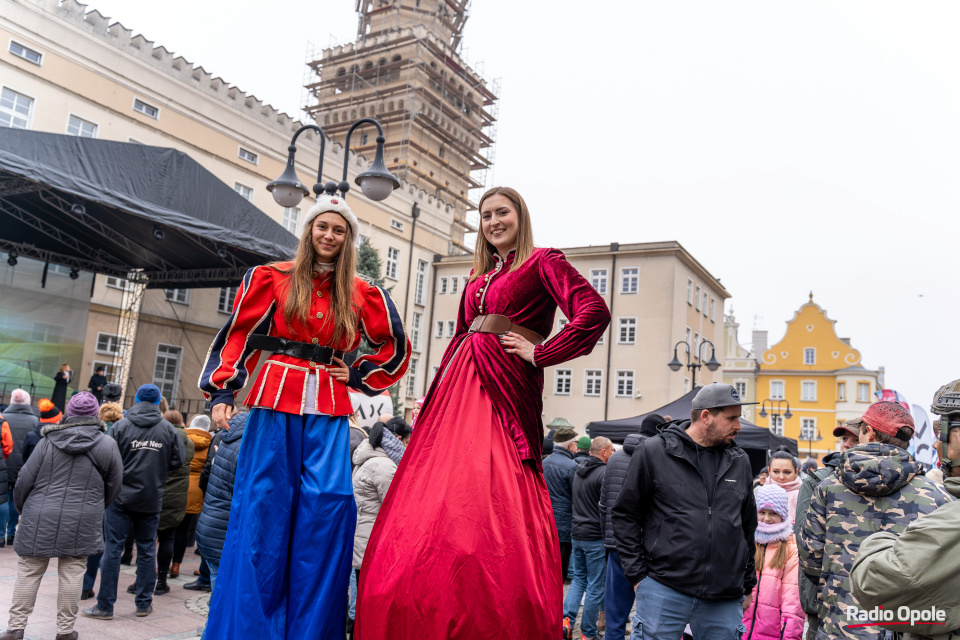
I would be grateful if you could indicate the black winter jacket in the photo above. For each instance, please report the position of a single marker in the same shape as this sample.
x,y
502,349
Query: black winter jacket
x,y
665,529
558,471
612,483
22,420
587,518
215,516
150,447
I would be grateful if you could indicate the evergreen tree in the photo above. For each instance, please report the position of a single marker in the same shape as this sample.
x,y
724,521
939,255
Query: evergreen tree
x,y
369,266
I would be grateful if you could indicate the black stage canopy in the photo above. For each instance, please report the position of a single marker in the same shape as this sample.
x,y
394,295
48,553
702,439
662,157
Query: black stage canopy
x,y
113,207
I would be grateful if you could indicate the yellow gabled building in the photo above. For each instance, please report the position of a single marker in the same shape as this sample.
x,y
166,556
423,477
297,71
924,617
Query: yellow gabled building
x,y
818,376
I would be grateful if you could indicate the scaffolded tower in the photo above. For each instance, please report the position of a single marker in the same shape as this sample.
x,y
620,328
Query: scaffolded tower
x,y
438,114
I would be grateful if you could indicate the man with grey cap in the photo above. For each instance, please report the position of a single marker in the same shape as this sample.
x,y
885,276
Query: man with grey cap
x,y
684,523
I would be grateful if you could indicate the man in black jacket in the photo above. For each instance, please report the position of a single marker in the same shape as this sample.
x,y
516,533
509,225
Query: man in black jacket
x,y
150,447
684,523
21,420
589,555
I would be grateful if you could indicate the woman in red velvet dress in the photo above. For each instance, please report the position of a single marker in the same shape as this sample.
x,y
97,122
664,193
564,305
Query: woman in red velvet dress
x,y
465,545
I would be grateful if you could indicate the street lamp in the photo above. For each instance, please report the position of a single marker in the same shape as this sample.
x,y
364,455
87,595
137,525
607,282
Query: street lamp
x,y
376,182
814,437
696,361
775,409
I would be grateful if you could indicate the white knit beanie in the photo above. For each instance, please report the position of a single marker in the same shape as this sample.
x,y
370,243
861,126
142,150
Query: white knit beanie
x,y
338,204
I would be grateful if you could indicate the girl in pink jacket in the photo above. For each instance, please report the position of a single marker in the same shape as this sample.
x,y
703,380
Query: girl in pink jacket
x,y
774,612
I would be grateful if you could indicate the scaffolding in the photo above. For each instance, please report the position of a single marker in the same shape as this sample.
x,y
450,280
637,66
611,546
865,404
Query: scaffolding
x,y
438,114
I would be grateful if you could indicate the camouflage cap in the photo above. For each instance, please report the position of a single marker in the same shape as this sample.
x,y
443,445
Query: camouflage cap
x,y
888,418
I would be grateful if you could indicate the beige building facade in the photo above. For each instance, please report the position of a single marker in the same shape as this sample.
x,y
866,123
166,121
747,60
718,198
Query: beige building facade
x,y
658,295
70,70
740,366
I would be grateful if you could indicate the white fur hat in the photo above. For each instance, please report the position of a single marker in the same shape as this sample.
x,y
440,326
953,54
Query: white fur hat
x,y
326,202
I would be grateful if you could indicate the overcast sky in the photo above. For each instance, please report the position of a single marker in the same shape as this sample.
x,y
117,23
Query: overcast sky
x,y
789,146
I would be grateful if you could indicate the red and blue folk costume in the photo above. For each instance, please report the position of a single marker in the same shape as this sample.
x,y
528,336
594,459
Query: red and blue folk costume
x,y
465,543
286,559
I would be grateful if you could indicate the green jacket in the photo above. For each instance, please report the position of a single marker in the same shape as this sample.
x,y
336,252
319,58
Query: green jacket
x,y
809,598
919,569
175,491
876,488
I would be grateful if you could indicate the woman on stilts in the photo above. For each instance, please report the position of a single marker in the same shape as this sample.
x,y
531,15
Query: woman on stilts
x,y
465,546
286,560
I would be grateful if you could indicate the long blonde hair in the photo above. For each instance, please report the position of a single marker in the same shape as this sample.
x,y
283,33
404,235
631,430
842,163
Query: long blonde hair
x,y
483,253
296,307
779,559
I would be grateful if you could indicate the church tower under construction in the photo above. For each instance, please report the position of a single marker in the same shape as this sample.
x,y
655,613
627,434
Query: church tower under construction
x,y
438,114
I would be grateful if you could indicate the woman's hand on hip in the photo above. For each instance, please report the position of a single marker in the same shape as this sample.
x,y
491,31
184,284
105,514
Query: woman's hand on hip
x,y
221,414
340,373
515,343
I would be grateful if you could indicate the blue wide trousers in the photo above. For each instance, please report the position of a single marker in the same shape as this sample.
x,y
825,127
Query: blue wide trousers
x,y
286,560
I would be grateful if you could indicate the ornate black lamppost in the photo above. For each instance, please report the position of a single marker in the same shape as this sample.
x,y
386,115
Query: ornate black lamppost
x,y
694,360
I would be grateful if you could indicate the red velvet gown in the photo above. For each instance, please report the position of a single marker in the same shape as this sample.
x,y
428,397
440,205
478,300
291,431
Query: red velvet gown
x,y
465,545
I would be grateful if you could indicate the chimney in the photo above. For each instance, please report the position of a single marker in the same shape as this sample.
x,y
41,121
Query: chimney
x,y
759,343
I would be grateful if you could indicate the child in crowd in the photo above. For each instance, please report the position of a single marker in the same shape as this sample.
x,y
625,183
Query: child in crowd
x,y
785,473
774,612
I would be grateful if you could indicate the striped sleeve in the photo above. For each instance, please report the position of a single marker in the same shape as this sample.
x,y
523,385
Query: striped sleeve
x,y
380,323
230,359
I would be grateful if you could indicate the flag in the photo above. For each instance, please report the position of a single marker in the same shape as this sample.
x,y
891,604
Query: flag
x,y
889,395
921,445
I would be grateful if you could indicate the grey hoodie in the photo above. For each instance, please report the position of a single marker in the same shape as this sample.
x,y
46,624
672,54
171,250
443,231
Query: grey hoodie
x,y
63,488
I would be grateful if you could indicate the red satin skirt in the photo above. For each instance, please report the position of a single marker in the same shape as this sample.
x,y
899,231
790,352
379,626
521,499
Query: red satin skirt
x,y
465,545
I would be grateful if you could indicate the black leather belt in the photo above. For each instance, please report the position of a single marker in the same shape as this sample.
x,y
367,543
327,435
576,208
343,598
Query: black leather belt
x,y
302,350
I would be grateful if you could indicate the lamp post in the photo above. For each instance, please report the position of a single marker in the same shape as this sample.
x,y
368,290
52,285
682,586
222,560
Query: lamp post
x,y
694,360
814,437
775,408
376,182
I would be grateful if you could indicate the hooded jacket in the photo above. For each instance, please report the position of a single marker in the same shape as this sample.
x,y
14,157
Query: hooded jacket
x,y
612,483
150,447
73,474
774,612
21,420
665,526
875,487
808,586
918,569
371,479
201,445
215,516
587,517
174,505
558,470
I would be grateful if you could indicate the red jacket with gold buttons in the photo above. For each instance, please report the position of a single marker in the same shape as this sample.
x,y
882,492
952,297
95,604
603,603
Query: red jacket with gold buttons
x,y
282,383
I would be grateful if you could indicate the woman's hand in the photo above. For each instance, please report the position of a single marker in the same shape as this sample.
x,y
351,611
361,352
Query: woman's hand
x,y
515,343
220,414
340,373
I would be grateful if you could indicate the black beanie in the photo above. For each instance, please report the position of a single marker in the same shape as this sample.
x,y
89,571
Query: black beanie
x,y
651,425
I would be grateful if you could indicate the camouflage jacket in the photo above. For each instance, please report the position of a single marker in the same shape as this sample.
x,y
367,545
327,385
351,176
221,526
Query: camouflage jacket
x,y
874,488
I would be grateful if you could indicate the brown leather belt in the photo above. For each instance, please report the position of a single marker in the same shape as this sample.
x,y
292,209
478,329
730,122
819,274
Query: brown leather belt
x,y
501,324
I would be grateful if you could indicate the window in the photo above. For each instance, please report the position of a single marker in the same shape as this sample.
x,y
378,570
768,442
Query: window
x,y
809,356
249,156
808,429
629,280
562,381
741,390
705,296
560,323
602,337
415,331
686,385
166,370
451,328
713,309
696,299
689,291
624,384
687,339
108,344
180,296
412,376
421,281
227,295
598,278
46,332
443,285
393,262
593,382
433,374
696,344
808,391
109,370
776,424
776,390
863,392
455,284
628,330
80,127
118,283
27,54
146,109
58,269
396,224
466,279
841,392
245,192
291,219
15,109
438,329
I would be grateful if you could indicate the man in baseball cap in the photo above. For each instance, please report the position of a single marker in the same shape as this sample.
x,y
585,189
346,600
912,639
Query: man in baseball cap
x,y
722,402
887,423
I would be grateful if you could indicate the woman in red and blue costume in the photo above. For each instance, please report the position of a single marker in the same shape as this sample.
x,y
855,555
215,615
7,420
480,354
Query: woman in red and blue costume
x,y
465,545
286,560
